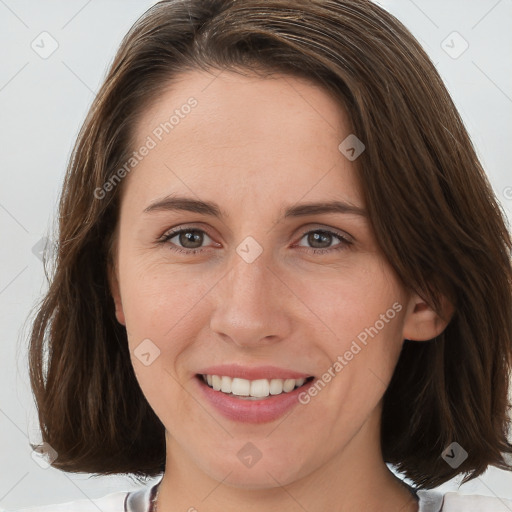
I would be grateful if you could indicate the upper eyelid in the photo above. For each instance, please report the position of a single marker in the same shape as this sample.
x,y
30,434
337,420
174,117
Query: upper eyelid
x,y
178,229
335,231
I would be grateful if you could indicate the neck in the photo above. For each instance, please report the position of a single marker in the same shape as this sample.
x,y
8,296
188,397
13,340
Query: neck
x,y
355,478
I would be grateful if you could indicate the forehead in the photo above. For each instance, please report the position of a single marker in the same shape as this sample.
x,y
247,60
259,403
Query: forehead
x,y
261,137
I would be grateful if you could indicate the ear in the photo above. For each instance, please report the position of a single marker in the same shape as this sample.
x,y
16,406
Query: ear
x,y
113,282
422,322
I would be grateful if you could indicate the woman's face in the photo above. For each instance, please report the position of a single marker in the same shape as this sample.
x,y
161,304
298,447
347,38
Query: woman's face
x,y
260,282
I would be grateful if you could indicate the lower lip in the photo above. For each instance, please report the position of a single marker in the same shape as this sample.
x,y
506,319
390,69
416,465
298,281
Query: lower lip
x,y
252,411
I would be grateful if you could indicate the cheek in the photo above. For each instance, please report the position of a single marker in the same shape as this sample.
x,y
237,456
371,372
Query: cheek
x,y
164,315
159,300
359,320
348,301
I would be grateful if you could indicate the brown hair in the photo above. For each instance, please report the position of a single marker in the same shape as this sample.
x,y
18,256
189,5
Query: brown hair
x,y
431,206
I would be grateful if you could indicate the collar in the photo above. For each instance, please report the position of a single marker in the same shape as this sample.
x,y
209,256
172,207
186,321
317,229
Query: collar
x,y
141,500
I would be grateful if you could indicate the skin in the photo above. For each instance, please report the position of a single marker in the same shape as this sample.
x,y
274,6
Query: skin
x,y
255,146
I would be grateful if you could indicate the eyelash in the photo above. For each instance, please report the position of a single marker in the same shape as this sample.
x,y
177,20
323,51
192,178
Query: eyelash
x,y
165,239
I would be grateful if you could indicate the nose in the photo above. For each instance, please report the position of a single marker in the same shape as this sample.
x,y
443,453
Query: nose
x,y
252,304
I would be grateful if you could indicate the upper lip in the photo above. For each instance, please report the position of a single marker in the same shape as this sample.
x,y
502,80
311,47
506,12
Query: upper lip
x,y
252,373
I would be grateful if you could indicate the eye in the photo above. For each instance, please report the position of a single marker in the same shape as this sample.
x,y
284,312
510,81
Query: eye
x,y
188,240
320,240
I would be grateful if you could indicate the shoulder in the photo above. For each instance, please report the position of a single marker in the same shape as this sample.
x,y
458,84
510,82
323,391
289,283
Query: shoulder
x,y
455,502
433,501
124,501
110,503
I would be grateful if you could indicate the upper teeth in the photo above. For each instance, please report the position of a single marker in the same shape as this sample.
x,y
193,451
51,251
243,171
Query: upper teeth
x,y
256,388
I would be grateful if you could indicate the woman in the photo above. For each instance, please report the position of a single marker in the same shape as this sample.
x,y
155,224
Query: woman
x,y
281,267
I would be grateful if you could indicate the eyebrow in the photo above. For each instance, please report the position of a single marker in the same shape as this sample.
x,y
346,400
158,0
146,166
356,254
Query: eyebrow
x,y
178,203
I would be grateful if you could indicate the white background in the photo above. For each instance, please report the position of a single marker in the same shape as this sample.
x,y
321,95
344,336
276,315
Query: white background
x,y
42,105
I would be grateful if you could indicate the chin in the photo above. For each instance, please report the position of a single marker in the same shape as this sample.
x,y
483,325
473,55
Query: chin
x,y
262,475
254,482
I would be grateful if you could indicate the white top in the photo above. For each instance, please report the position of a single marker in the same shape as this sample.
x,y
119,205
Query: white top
x,y
139,501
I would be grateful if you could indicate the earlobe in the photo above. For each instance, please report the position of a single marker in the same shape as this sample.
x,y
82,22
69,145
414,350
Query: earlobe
x,y
116,295
422,323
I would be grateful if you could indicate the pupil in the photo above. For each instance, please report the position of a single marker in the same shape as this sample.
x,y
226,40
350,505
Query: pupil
x,y
191,237
317,237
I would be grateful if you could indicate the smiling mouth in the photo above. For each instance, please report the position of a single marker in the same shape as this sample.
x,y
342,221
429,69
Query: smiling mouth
x,y
252,389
